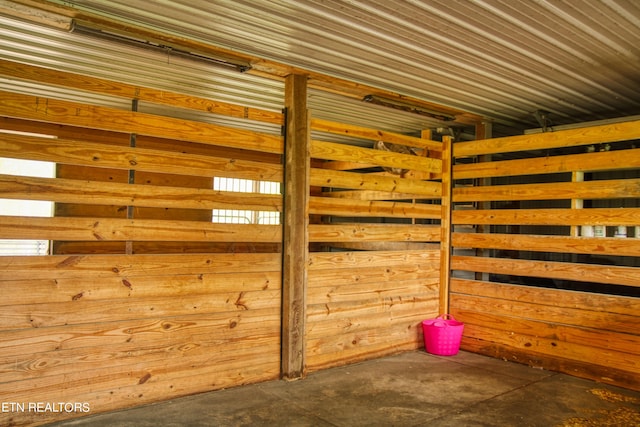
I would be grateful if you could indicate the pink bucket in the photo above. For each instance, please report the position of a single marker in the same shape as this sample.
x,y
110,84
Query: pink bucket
x,y
442,335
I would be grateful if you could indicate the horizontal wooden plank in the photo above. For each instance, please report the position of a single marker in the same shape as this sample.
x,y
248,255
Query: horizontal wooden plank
x,y
79,311
93,248
385,246
353,180
132,333
616,132
143,350
124,386
559,316
333,326
97,85
539,344
348,260
549,297
109,193
373,134
596,273
353,165
79,382
363,208
80,152
539,243
114,229
602,189
556,337
373,232
425,271
576,368
108,288
112,119
344,152
354,292
586,162
342,311
378,195
591,216
344,165
91,267
326,352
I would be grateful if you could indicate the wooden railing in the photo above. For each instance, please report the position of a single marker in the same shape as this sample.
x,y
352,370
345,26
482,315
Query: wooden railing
x,y
517,295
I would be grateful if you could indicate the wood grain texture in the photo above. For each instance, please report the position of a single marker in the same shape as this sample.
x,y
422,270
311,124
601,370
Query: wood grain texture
x,y
141,195
295,231
87,267
374,134
363,208
368,304
113,229
572,332
373,232
85,153
611,133
538,243
112,119
369,156
127,91
595,216
602,189
598,273
596,161
353,180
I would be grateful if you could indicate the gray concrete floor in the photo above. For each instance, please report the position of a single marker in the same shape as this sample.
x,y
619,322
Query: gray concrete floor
x,y
409,389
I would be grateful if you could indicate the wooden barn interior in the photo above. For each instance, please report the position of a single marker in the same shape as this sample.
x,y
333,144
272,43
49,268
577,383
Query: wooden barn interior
x,y
201,195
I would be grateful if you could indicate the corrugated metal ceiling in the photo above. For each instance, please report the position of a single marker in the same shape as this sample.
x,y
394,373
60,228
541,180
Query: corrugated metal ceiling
x,y
500,59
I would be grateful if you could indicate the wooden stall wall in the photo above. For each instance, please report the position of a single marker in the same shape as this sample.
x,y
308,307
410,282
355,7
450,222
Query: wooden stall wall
x,y
374,238
555,279
144,297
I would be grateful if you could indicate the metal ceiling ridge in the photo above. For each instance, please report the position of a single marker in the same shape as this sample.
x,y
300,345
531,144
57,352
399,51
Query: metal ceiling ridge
x,y
263,67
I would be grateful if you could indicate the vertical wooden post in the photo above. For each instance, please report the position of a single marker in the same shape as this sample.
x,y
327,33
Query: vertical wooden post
x,y
295,248
446,226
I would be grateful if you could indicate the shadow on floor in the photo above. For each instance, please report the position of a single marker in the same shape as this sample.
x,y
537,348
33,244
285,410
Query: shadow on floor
x,y
409,389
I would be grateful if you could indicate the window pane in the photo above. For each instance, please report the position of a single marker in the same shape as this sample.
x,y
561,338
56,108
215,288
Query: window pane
x,y
233,216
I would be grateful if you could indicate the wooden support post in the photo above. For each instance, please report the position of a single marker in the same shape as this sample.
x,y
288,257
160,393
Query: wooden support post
x,y
446,226
295,249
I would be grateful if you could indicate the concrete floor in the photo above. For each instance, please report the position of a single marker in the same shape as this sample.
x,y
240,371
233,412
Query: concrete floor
x,y
410,389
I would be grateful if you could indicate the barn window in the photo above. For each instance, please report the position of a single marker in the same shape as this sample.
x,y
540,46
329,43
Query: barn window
x,y
241,216
25,208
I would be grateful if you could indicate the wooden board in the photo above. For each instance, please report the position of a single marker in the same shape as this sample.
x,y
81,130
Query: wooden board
x,y
109,229
538,243
595,216
80,152
572,332
143,195
363,208
373,232
596,161
127,91
616,132
112,119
